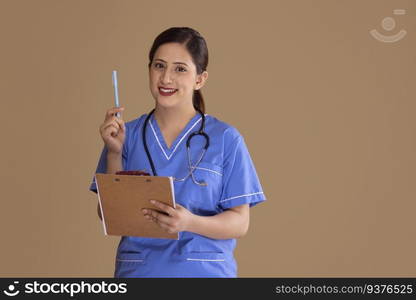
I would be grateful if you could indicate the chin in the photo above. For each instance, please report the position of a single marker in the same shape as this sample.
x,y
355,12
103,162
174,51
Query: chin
x,y
166,102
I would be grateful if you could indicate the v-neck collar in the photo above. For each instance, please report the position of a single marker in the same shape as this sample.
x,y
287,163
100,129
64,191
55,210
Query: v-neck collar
x,y
168,152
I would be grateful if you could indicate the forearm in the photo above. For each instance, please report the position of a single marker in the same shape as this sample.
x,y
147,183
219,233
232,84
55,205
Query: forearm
x,y
114,163
226,225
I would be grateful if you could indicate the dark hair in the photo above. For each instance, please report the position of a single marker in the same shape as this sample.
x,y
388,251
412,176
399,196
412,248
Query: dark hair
x,y
197,48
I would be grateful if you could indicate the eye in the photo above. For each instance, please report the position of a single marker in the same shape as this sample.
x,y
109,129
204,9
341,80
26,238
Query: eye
x,y
158,65
181,69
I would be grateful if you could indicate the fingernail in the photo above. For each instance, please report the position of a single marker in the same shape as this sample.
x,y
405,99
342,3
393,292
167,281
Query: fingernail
x,y
152,201
144,210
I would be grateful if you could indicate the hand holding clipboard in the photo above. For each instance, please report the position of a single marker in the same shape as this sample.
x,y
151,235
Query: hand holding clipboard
x,y
122,198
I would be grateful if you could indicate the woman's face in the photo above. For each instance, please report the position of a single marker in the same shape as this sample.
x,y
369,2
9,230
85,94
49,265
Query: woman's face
x,y
172,69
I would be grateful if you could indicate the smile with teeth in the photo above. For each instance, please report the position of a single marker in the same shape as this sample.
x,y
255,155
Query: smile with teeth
x,y
167,90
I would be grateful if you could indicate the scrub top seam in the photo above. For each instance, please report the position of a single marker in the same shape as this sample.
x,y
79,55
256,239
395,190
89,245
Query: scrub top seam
x,y
180,141
209,170
245,195
157,139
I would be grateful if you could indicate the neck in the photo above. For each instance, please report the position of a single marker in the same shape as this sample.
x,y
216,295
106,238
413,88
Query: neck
x,y
176,117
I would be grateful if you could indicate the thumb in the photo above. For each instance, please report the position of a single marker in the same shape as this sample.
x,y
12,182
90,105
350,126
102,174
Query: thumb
x,y
123,126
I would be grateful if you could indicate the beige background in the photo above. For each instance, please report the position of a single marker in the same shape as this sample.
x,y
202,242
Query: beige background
x,y
327,112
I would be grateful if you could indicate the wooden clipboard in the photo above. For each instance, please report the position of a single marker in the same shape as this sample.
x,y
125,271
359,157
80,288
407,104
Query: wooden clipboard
x,y
122,198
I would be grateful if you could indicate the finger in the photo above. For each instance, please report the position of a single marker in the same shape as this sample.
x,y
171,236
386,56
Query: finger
x,y
111,129
162,206
162,225
112,122
166,227
113,132
148,217
109,121
121,123
112,111
159,217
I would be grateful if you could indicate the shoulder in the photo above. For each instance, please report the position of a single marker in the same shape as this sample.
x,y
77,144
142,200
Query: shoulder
x,y
221,128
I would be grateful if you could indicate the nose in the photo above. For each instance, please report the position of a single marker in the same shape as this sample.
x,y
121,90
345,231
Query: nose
x,y
166,77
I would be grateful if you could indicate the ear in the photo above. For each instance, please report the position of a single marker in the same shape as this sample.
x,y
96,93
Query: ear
x,y
201,79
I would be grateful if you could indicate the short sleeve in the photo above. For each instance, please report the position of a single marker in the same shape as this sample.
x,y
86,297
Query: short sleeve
x,y
241,184
102,165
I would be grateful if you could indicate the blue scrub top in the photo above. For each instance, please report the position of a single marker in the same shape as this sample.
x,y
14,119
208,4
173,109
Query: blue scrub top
x,y
232,180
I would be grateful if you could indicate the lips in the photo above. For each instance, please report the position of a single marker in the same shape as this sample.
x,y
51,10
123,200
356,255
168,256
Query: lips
x,y
167,91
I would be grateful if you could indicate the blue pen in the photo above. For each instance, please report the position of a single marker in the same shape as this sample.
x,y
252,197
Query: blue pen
x,y
117,103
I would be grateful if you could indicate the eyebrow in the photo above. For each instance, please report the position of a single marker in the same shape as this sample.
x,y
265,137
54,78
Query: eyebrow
x,y
176,62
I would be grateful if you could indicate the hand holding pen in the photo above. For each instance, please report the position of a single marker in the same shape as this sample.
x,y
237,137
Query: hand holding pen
x,y
113,129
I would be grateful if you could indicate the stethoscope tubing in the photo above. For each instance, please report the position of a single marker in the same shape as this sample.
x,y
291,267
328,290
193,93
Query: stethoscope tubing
x,y
188,144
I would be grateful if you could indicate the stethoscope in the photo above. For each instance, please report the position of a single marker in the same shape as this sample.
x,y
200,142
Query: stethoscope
x,y
188,145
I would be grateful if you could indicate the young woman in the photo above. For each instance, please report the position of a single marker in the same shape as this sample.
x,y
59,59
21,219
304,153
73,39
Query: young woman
x,y
212,196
